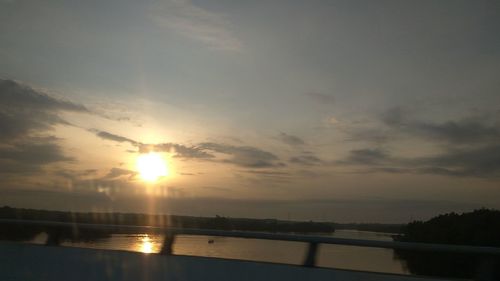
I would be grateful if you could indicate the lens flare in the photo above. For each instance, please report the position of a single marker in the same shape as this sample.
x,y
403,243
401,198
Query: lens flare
x,y
151,166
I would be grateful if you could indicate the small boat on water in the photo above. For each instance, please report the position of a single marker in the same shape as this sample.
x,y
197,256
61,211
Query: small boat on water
x,y
211,241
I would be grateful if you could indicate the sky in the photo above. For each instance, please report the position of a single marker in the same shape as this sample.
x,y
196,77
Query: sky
x,y
345,111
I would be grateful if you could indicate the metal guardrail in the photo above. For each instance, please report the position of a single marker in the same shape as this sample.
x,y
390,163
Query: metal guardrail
x,y
313,241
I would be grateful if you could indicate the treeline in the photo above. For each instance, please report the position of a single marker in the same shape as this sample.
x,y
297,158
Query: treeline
x,y
478,228
218,222
373,227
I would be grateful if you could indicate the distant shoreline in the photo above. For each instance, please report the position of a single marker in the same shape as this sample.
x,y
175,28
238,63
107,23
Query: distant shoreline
x,y
217,222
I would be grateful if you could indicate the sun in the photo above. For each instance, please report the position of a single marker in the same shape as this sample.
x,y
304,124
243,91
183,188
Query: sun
x,y
151,166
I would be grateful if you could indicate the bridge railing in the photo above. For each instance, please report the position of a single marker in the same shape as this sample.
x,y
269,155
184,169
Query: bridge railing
x,y
313,241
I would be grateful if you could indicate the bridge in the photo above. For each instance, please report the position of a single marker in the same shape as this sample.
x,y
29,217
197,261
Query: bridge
x,y
23,261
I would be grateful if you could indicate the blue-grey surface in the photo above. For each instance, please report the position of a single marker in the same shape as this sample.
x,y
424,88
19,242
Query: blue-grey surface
x,y
34,262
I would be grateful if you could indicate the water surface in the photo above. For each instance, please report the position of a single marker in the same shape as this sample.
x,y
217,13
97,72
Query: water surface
x,y
337,256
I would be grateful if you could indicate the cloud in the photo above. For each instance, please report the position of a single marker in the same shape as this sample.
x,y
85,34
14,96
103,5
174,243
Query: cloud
x,y
477,162
180,151
74,175
371,135
366,156
306,160
470,130
113,137
482,162
321,98
114,182
244,156
268,173
290,139
197,23
30,155
24,110
218,189
14,94
469,146
463,131
394,116
26,117
119,172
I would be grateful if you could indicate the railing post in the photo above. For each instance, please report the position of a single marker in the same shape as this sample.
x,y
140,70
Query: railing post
x,y
168,243
53,238
312,250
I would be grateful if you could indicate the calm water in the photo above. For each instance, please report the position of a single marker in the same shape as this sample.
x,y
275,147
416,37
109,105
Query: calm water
x,y
345,257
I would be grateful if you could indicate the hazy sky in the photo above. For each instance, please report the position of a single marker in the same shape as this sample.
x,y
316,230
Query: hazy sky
x,y
328,110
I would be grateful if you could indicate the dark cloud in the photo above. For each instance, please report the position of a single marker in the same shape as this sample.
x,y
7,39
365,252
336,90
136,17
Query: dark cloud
x,y
218,188
478,162
307,160
470,146
14,94
481,162
113,137
394,116
119,172
366,156
179,150
267,177
30,155
24,111
321,98
26,117
466,131
74,175
244,156
21,123
471,130
116,181
37,153
268,173
370,135
290,139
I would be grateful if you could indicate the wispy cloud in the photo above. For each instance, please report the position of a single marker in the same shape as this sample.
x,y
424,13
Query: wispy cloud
x,y
366,156
290,139
321,98
190,20
180,151
244,156
306,160
475,130
112,137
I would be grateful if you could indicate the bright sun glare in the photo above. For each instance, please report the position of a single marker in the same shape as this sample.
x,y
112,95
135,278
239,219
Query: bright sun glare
x,y
146,246
151,166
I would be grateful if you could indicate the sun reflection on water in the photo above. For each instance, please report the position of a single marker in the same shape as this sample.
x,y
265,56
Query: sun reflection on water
x,y
146,246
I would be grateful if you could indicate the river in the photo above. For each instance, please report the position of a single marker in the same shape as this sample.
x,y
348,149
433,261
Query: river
x,y
336,256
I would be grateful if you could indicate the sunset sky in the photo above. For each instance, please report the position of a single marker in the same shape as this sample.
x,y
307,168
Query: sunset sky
x,y
363,111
